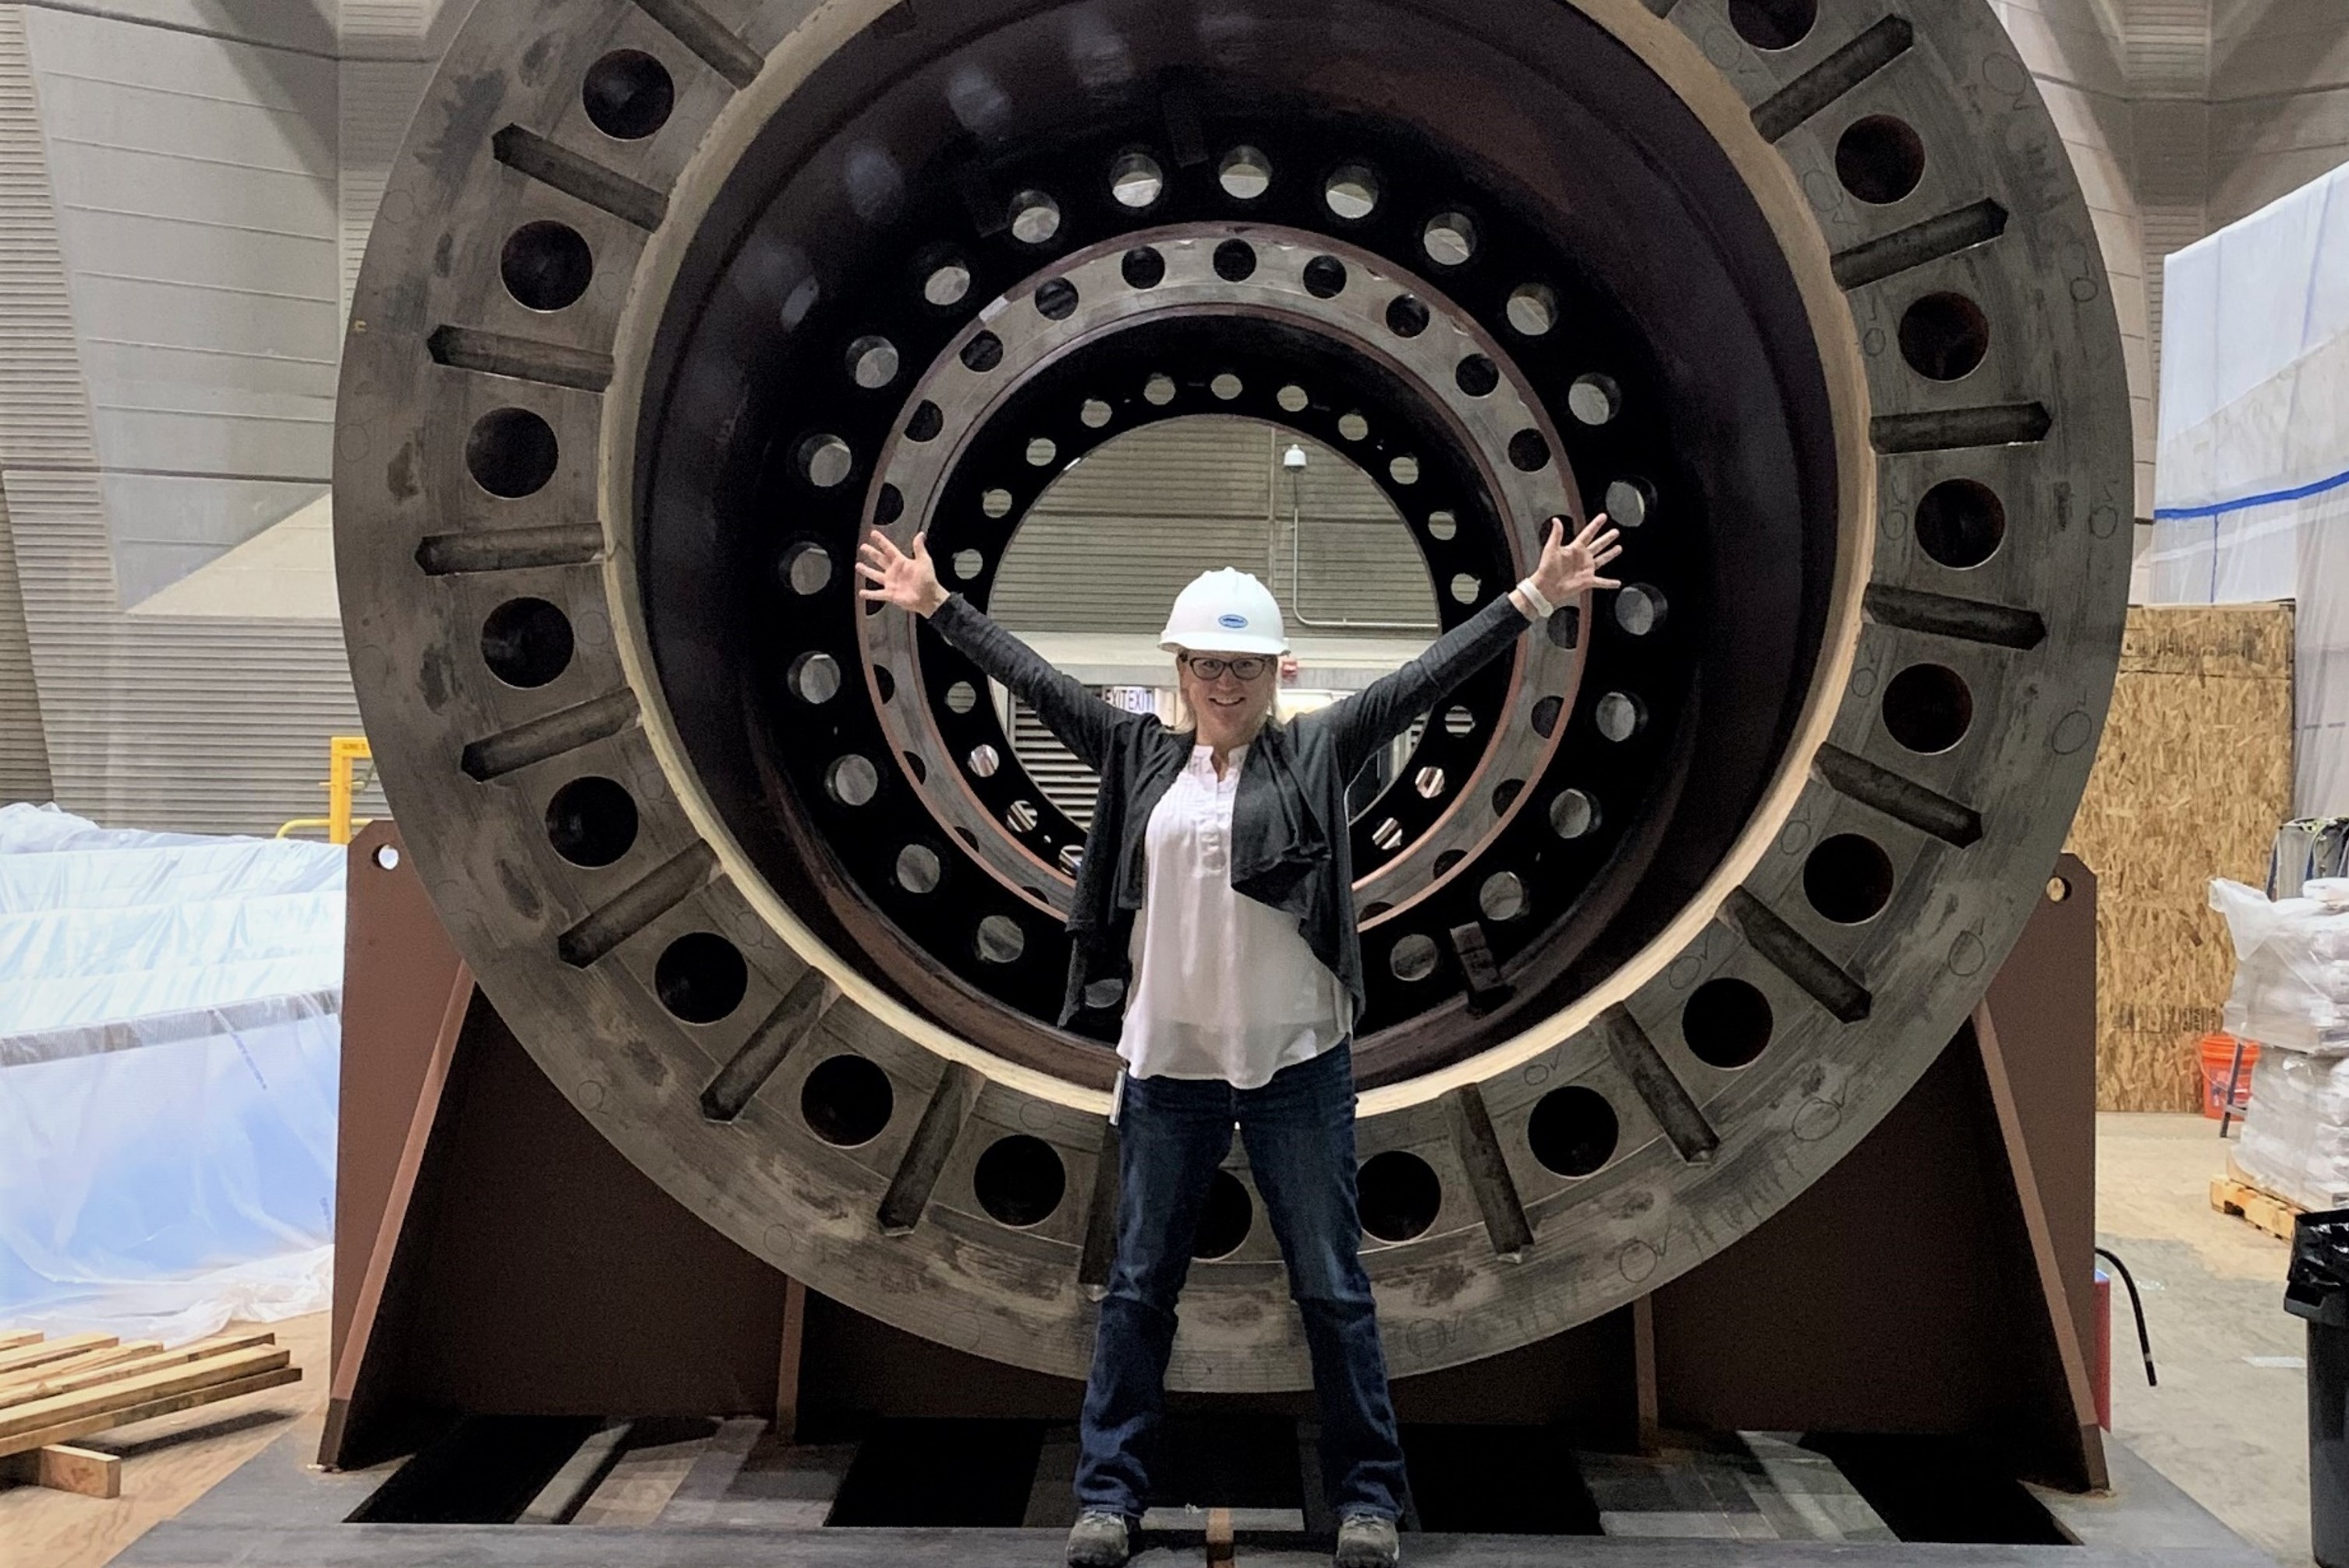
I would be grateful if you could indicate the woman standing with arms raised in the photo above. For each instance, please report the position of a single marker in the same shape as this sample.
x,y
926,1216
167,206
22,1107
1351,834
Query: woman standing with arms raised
x,y
1217,892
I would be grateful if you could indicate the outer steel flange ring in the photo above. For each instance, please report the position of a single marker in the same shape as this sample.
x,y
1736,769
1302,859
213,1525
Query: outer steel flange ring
x,y
1893,170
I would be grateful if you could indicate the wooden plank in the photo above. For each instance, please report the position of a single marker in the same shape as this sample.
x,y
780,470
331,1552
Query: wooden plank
x,y
129,1391
82,1472
13,1386
66,1377
1219,1535
1648,1418
16,1338
787,1374
64,1431
49,1350
560,1499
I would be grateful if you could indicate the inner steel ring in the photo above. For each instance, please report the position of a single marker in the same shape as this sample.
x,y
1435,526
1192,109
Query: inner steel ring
x,y
912,481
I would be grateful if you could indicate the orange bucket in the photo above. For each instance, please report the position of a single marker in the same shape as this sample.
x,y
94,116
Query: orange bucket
x,y
2217,1061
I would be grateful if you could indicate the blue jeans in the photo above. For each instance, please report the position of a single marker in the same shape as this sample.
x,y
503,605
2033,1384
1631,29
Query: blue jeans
x,y
1299,1130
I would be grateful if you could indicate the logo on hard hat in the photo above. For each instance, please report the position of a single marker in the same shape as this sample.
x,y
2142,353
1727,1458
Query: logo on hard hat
x,y
1232,622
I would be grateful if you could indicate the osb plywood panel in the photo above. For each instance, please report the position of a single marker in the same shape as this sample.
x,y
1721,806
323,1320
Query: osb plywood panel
x,y
2191,781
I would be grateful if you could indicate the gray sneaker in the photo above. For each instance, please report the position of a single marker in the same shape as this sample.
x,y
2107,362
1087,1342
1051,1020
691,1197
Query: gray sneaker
x,y
1098,1541
1368,1540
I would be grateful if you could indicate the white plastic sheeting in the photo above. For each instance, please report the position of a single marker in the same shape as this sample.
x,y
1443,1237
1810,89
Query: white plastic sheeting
x,y
2291,965
170,1037
2252,485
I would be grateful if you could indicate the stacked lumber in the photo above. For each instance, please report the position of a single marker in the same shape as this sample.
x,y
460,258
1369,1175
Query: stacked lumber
x,y
53,1391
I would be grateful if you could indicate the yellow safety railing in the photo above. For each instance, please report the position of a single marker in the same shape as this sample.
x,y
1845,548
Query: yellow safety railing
x,y
344,754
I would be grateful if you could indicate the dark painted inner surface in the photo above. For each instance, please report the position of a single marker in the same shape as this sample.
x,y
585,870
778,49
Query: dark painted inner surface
x,y
1616,197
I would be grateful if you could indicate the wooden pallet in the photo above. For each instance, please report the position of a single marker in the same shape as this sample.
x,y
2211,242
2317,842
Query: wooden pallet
x,y
2265,1210
53,1391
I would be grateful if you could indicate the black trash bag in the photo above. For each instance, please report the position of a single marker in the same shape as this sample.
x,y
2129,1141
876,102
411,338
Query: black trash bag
x,y
2317,1289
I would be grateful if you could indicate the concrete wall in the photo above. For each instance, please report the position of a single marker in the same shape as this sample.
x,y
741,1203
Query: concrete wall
x,y
185,188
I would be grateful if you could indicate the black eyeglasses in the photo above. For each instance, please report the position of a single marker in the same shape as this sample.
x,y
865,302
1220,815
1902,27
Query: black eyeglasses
x,y
1245,669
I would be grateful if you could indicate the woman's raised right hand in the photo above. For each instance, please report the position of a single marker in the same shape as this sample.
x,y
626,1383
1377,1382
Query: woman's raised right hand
x,y
893,577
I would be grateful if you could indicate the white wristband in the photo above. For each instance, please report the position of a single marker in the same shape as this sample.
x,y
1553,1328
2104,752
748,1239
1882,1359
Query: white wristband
x,y
1543,608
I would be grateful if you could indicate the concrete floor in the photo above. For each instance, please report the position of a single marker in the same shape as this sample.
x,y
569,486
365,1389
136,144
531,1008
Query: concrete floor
x,y
2228,1424
2230,1421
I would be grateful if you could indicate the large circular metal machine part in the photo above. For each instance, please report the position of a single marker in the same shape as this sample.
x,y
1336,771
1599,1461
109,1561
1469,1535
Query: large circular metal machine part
x,y
670,299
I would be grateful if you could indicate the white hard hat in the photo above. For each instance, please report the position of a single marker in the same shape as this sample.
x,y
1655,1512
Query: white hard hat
x,y
1226,612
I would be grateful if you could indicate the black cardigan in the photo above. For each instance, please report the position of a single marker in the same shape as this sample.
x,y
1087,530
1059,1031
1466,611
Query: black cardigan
x,y
1290,846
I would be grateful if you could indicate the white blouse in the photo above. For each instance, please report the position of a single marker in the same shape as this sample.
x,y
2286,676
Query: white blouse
x,y
1224,987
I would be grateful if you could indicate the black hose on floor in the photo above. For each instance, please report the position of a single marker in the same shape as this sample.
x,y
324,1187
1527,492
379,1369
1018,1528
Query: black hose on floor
x,y
2136,1306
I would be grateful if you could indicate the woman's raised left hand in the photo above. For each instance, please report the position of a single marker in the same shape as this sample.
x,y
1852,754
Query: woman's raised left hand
x,y
1570,566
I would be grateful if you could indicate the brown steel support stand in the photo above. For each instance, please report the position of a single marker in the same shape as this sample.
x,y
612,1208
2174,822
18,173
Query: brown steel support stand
x,y
495,1254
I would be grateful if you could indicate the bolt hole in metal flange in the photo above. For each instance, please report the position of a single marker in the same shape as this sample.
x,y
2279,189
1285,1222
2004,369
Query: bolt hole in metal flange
x,y
826,461
1144,267
1960,523
1639,609
1351,192
1450,239
847,1101
853,781
1928,708
1000,940
815,678
1573,1132
873,362
1224,1220
1943,337
1628,501
1727,1023
1532,309
919,869
1880,158
806,567
592,821
1035,218
701,977
1245,173
1620,716
1503,897
526,643
546,265
1848,879
1400,1195
1020,1181
1573,814
944,285
1773,23
1137,181
1413,957
511,453
1408,316
628,95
